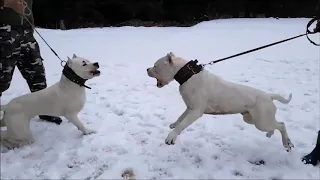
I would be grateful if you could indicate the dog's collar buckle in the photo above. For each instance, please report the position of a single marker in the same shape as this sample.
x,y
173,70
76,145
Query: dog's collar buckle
x,y
187,71
72,76
191,69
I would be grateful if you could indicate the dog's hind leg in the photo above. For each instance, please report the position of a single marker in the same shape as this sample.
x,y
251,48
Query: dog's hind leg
x,y
5,142
268,123
12,143
2,122
270,133
3,135
247,117
285,138
182,116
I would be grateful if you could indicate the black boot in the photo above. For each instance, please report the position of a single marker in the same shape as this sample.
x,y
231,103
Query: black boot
x,y
52,119
314,157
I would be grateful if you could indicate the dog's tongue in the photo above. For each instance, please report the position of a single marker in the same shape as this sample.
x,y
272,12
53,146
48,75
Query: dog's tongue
x,y
95,72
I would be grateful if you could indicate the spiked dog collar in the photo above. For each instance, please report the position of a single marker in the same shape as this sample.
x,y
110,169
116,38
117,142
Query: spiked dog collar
x,y
187,71
72,76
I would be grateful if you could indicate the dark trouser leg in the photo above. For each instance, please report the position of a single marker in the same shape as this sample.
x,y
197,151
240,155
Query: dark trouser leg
x,y
9,51
31,66
314,157
32,69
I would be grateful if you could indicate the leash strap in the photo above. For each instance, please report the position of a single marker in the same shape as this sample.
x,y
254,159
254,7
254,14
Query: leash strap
x,y
252,50
34,28
272,44
44,40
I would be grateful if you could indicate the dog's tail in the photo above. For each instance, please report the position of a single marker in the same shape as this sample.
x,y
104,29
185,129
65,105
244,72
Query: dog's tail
x,y
280,98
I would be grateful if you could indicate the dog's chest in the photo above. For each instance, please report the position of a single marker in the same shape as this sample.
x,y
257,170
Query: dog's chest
x,y
75,102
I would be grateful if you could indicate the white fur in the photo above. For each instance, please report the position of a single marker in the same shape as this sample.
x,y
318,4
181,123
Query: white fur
x,y
206,93
64,98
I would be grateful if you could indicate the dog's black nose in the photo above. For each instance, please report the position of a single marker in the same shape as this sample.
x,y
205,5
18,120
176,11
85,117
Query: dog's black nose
x,y
96,64
148,69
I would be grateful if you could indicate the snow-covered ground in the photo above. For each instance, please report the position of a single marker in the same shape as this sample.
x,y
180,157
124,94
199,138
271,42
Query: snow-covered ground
x,y
131,115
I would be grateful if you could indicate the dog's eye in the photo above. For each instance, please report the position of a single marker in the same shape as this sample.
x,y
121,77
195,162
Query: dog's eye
x,y
84,63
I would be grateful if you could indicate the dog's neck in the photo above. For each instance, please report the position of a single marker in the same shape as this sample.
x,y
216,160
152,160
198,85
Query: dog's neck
x,y
73,77
67,85
187,70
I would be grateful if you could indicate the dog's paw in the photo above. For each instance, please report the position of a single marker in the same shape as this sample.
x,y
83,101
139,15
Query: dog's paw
x,y
171,138
172,126
89,131
288,145
270,133
128,174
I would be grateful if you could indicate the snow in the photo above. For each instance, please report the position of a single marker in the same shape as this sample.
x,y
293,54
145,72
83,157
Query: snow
x,y
132,116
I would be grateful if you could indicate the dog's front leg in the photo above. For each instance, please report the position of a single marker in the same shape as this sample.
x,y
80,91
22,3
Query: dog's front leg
x,y
182,116
191,116
75,121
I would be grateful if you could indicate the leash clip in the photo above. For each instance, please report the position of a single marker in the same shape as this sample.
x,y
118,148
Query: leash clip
x,y
63,63
190,66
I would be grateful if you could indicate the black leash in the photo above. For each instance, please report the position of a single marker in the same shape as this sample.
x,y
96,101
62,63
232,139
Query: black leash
x,y
272,44
67,71
63,62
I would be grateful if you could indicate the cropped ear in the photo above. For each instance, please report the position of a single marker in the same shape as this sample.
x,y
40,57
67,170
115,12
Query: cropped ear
x,y
169,58
74,56
69,62
171,54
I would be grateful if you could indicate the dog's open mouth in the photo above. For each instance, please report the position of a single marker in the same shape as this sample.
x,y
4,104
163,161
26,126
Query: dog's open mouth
x,y
95,72
160,84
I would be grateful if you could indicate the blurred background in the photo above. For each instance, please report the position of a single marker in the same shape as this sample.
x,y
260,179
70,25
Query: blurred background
x,y
68,14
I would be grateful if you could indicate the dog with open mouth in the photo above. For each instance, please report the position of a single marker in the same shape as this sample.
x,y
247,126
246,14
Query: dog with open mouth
x,y
64,98
206,93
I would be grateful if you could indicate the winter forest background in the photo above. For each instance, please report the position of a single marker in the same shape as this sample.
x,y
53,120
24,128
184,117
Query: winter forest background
x,y
68,14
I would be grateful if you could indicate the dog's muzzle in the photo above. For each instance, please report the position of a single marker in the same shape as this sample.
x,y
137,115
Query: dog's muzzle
x,y
150,74
96,71
160,83
96,65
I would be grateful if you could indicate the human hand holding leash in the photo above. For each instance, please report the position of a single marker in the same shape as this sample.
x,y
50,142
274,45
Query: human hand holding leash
x,y
317,28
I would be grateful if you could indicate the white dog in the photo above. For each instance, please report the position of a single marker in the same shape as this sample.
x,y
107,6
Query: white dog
x,y
206,93
65,98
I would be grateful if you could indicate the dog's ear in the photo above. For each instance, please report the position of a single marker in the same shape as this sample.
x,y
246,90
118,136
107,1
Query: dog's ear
x,y
171,54
169,58
74,56
69,62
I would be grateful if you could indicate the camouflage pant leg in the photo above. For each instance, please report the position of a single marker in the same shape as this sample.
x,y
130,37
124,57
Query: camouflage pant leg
x,y
31,66
9,52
